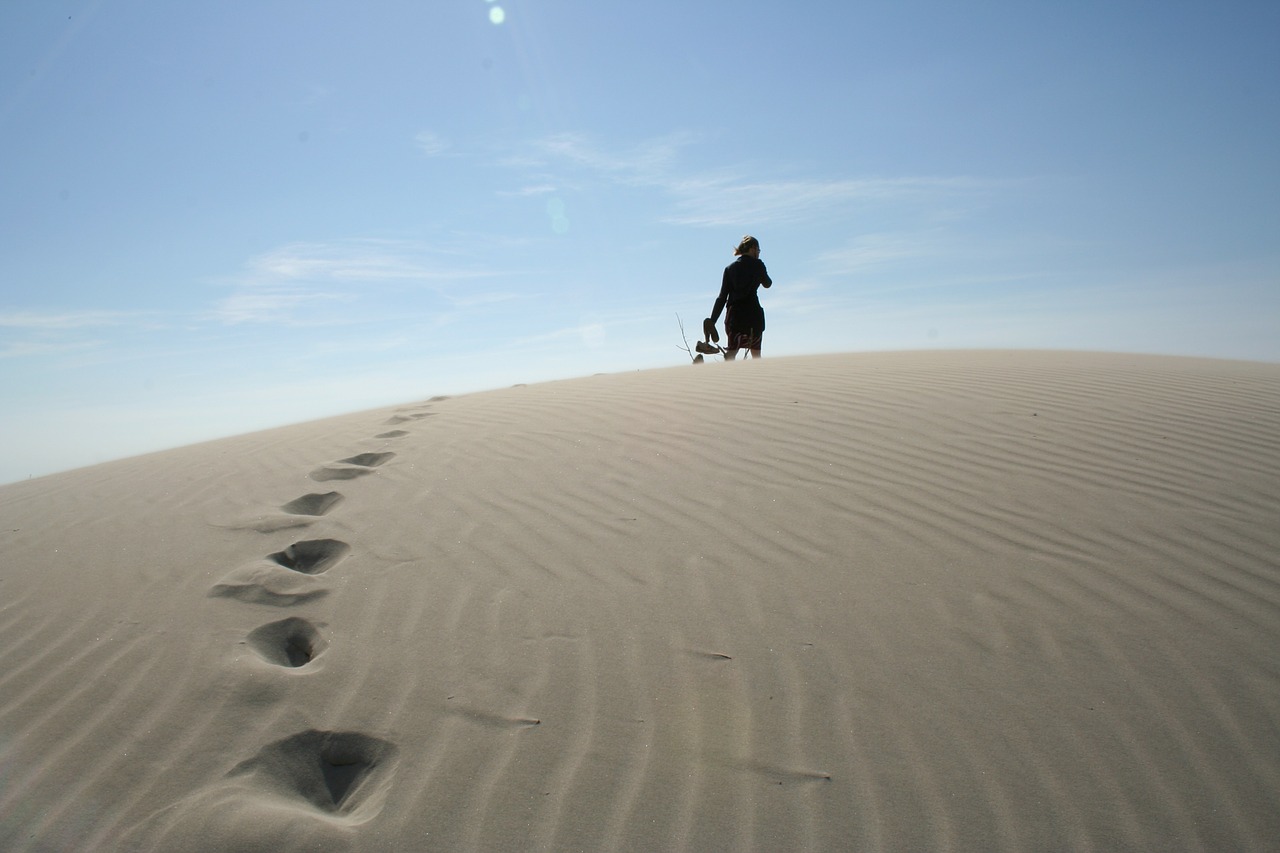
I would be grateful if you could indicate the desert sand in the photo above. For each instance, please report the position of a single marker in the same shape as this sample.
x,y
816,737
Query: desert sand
x,y
969,601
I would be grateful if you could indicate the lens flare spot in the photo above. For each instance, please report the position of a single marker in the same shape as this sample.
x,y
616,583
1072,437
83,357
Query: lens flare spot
x,y
556,211
496,15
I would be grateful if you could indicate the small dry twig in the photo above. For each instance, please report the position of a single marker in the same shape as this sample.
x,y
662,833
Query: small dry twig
x,y
697,358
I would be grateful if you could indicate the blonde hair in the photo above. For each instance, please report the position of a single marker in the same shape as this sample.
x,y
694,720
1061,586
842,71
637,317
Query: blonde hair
x,y
746,244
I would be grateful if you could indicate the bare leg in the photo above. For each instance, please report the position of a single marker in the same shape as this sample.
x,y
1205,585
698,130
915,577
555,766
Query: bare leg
x,y
730,354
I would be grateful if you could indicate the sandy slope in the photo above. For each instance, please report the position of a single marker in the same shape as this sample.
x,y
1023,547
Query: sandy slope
x,y
913,601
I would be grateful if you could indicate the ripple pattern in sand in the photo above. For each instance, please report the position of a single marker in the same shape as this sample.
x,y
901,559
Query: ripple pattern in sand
x,y
904,602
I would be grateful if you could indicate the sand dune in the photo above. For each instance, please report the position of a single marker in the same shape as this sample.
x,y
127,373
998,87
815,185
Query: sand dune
x,y
910,601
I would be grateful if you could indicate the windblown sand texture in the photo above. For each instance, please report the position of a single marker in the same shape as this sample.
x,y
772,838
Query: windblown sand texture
x,y
901,602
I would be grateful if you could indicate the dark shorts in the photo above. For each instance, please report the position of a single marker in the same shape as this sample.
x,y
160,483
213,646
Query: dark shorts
x,y
743,327
743,340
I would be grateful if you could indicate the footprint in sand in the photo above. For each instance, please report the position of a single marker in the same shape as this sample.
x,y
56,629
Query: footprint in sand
x,y
299,512
291,642
288,579
395,433
271,585
344,774
359,465
368,460
311,556
410,415
407,416
315,503
305,792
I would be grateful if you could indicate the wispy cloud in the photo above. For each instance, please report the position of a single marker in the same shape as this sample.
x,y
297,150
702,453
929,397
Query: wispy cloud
x,y
25,334
339,282
465,301
531,190
647,163
725,196
28,349
591,334
876,250
270,305
33,320
431,143
34,342
726,201
353,260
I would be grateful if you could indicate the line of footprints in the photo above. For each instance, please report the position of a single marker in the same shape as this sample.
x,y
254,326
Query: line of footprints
x,y
334,771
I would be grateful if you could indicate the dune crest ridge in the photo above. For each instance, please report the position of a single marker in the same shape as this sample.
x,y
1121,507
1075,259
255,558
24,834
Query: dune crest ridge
x,y
891,601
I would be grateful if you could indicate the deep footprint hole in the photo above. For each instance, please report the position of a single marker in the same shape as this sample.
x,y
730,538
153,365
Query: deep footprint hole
x,y
311,556
333,771
316,503
368,460
292,642
322,475
341,776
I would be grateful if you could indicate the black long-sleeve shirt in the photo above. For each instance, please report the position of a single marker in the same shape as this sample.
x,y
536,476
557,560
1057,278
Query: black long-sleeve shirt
x,y
739,292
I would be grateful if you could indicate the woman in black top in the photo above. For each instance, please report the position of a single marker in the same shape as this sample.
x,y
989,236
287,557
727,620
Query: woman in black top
x,y
743,318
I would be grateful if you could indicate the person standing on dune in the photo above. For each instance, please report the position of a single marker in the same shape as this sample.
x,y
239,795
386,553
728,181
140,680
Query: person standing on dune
x,y
743,315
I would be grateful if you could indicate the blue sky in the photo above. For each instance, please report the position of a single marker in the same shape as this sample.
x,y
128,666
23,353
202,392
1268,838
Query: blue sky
x,y
226,216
